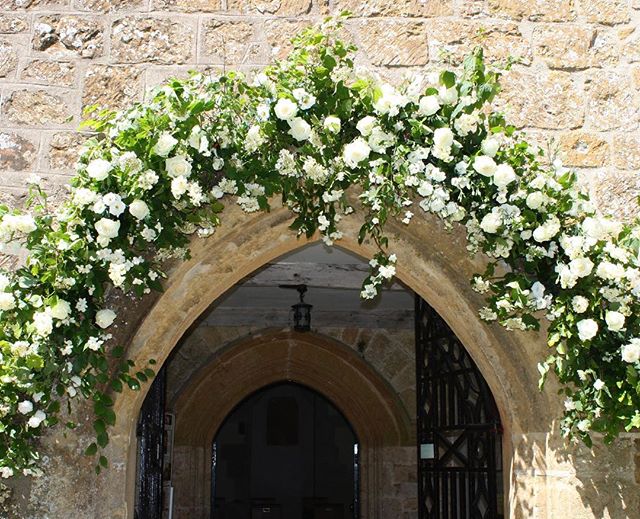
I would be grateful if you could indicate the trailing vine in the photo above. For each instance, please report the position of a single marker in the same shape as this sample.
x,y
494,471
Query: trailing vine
x,y
309,128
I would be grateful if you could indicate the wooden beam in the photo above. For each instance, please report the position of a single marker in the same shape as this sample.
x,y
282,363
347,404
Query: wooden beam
x,y
281,317
321,275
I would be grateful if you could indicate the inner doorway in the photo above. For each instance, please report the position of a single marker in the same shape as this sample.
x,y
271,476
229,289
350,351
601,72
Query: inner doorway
x,y
285,452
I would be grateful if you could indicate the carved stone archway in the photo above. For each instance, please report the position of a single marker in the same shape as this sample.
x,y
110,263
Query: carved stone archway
x,y
323,364
432,261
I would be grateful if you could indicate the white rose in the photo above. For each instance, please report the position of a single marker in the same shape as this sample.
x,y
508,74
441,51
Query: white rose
x,y
443,138
98,169
7,301
366,125
4,281
547,230
598,385
105,318
25,407
428,105
615,321
631,352
36,419
107,228
610,271
139,209
332,124
285,109
448,96
61,310
536,200
587,329
83,196
178,166
304,98
166,142
355,152
490,146
504,175
580,304
179,186
484,165
299,129
581,267
43,323
491,223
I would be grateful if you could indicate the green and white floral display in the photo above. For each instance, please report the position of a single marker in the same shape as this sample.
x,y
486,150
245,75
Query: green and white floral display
x,y
309,128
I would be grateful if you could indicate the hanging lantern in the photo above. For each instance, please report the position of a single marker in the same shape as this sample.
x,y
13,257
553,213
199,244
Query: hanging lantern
x,y
302,312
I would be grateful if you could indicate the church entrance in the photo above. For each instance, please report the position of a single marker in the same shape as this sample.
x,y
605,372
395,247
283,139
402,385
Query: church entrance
x,y
285,452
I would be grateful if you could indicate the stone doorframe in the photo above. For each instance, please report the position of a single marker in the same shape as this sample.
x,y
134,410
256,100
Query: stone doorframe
x,y
318,362
432,261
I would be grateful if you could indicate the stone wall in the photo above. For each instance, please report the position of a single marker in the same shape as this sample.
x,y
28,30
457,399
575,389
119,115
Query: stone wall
x,y
578,82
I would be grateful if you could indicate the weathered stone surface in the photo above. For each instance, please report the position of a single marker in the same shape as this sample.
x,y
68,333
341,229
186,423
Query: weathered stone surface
x,y
36,107
614,102
108,5
616,193
279,33
13,24
635,75
573,46
626,150
112,86
279,7
542,99
148,39
608,12
64,150
582,149
205,6
10,5
394,43
49,72
68,35
227,42
499,40
630,43
536,10
16,152
394,8
8,58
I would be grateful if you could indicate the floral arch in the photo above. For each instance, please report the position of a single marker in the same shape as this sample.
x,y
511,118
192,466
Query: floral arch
x,y
328,141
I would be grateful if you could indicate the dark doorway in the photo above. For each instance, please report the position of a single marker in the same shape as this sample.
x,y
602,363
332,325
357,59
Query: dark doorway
x,y
285,452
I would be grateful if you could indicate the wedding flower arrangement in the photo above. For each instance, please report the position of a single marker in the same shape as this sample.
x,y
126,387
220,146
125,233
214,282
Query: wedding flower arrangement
x,y
309,128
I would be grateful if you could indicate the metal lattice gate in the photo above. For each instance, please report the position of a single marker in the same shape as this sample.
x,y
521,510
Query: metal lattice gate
x,y
459,447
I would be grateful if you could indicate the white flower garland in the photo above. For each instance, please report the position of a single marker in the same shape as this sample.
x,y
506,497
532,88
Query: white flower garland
x,y
309,128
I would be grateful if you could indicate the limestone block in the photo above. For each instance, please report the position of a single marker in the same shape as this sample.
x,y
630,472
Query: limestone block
x,y
13,23
614,103
456,39
154,40
111,86
279,7
278,34
573,46
542,99
64,149
626,150
535,10
231,42
49,72
609,12
17,153
616,193
37,107
584,149
395,7
68,35
394,43
109,5
205,6
630,43
11,5
8,58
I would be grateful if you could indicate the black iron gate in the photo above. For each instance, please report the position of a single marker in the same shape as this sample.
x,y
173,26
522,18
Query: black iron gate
x,y
459,447
150,432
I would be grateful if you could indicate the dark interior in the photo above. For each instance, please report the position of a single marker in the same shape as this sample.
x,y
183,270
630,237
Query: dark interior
x,y
285,452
